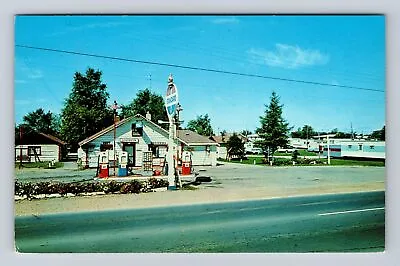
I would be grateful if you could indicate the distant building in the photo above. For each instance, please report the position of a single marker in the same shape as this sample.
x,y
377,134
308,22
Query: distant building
x,y
222,141
347,148
37,146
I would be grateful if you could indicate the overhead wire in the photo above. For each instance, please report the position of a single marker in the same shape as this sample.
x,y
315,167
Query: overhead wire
x,y
196,68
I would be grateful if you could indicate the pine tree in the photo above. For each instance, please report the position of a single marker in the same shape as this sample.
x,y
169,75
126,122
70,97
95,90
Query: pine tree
x,y
274,129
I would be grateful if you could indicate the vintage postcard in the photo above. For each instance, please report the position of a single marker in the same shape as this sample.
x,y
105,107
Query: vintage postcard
x,y
199,133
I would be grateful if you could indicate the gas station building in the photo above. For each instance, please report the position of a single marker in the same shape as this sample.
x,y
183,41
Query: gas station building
x,y
138,136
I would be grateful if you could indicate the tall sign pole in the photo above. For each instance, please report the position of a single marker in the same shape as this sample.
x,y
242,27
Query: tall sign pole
x,y
171,104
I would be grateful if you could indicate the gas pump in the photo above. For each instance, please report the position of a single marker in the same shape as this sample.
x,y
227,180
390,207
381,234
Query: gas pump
x,y
186,163
122,163
104,169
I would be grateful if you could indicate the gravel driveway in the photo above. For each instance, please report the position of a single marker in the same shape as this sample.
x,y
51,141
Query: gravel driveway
x,y
230,182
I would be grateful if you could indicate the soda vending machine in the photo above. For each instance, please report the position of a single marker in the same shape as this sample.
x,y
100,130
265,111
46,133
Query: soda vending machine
x,y
122,163
186,163
103,165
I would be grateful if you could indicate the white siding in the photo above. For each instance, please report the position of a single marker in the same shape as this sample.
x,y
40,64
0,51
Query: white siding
x,y
204,158
221,152
150,134
155,134
123,132
49,152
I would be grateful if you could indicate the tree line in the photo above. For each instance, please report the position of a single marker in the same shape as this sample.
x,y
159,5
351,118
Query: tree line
x,y
86,111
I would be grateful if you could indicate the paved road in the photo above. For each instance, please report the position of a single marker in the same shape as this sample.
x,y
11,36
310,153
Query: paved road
x,y
343,222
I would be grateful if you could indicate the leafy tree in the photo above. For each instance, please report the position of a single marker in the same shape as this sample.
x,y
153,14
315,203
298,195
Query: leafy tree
x,y
235,146
201,125
274,129
146,101
304,133
85,111
245,132
378,134
343,135
40,121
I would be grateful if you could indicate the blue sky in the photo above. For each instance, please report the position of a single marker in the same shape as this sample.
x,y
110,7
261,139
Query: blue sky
x,y
341,50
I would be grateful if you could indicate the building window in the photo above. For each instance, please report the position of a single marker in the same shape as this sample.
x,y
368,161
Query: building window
x,y
106,146
360,147
136,130
158,150
349,146
32,151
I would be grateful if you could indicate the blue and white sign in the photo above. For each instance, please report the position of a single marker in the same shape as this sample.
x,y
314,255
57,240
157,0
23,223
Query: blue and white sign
x,y
171,99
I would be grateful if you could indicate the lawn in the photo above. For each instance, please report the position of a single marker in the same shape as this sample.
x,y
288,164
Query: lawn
x,y
322,162
39,165
301,153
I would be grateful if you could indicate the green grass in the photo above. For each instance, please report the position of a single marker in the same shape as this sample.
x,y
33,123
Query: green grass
x,y
355,162
301,153
324,162
44,165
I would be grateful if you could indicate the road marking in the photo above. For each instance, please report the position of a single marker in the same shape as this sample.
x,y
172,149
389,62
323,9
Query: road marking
x,y
317,203
363,210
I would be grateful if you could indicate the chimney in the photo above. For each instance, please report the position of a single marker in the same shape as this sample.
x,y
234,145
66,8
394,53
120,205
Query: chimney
x,y
148,116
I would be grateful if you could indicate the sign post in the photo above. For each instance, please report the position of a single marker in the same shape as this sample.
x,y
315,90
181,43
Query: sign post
x,y
171,104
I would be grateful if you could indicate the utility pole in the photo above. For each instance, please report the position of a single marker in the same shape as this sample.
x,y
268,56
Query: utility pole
x,y
352,134
20,147
115,107
329,153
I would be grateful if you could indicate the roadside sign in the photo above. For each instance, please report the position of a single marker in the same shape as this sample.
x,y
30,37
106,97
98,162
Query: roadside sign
x,y
171,99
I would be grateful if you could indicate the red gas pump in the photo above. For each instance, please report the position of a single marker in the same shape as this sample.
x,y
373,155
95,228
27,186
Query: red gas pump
x,y
186,163
104,169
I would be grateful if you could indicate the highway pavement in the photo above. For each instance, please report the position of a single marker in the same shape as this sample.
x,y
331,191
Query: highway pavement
x,y
351,222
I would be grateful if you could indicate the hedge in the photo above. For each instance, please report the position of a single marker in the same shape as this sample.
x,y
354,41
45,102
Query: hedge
x,y
30,190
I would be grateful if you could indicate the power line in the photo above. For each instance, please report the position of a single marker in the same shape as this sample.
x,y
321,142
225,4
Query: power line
x,y
196,68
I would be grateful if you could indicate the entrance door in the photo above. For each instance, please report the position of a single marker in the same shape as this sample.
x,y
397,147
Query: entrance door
x,y
130,149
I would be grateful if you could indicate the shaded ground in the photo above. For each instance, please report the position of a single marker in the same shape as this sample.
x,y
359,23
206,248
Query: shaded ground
x,y
231,182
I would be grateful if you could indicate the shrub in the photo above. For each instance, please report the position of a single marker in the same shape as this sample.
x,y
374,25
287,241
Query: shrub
x,y
157,183
295,155
29,190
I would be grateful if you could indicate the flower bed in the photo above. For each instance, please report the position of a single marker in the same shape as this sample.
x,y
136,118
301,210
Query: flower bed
x,y
50,189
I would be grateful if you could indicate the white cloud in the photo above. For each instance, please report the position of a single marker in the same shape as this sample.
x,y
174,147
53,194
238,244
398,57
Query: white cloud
x,y
288,56
22,102
89,26
35,74
225,20
30,102
26,71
